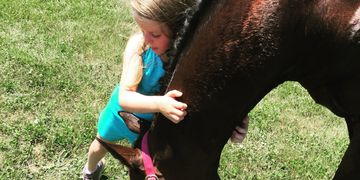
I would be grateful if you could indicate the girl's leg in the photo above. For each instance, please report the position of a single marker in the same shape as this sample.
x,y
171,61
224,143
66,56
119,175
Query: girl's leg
x,y
96,153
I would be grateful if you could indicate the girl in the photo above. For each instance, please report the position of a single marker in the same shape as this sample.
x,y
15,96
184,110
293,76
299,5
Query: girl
x,y
144,55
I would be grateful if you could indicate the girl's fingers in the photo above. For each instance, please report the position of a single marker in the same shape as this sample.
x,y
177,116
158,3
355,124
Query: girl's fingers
x,y
177,115
174,93
175,119
180,105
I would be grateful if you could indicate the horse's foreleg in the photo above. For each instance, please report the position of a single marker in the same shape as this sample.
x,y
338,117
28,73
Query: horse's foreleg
x,y
349,167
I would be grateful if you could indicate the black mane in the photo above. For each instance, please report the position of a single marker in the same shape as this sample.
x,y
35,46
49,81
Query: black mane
x,y
185,33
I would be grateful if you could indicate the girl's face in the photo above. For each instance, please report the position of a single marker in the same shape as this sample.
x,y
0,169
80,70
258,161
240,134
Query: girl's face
x,y
156,34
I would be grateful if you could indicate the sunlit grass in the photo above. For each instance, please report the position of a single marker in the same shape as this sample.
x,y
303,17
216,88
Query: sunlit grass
x,y
290,137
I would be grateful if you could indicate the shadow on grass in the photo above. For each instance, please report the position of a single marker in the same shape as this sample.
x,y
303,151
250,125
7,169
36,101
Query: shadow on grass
x,y
104,177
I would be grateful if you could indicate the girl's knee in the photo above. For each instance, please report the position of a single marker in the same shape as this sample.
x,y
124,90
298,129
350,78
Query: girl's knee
x,y
97,147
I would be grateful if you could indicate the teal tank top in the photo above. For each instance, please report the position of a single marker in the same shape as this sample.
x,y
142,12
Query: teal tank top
x,y
111,126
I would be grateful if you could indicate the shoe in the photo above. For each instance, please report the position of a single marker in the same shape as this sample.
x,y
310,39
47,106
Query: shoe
x,y
97,173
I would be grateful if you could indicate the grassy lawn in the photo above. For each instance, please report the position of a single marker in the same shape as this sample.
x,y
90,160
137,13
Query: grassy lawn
x,y
59,61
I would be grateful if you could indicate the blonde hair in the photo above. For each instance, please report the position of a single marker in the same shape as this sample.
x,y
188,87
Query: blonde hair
x,y
171,13
132,70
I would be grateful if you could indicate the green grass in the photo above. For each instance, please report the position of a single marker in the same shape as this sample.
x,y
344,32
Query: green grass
x,y
290,137
59,61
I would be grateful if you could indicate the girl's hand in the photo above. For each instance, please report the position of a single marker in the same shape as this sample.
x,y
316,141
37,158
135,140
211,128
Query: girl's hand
x,y
171,108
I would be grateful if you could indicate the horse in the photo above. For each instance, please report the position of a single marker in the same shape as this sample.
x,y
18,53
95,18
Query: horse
x,y
257,44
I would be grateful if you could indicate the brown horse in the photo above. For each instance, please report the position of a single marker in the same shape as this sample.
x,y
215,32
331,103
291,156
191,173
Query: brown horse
x,y
257,44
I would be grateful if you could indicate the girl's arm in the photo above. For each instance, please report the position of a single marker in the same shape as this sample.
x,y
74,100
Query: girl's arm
x,y
167,105
132,101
